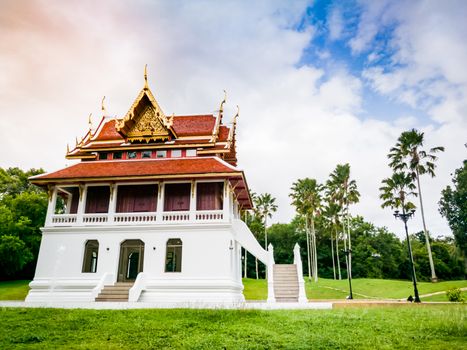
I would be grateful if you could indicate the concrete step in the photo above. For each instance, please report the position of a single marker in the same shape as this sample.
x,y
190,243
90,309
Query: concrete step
x,y
116,296
286,300
118,292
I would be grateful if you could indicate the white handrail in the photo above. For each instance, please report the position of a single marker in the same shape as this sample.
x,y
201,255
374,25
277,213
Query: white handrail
x,y
270,265
297,260
138,287
106,279
247,240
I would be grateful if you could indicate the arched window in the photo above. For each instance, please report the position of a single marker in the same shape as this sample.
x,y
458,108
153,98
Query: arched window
x,y
91,251
173,256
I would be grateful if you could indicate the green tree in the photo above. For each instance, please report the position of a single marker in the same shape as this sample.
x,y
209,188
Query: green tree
x,y
14,181
22,212
14,255
306,197
344,190
265,205
453,206
408,154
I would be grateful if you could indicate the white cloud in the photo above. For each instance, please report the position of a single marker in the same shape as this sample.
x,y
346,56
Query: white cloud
x,y
335,24
59,60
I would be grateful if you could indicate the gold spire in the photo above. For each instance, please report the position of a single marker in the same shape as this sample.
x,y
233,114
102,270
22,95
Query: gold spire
x,y
221,109
103,107
90,123
146,86
235,117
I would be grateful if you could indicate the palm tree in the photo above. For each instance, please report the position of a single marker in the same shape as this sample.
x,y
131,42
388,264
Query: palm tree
x,y
408,154
331,216
306,195
395,193
264,206
343,191
346,193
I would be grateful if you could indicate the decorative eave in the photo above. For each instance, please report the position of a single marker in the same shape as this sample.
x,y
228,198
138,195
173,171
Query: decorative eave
x,y
145,121
215,131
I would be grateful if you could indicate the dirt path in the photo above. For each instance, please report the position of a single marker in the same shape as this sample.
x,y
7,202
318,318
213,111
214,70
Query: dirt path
x,y
402,299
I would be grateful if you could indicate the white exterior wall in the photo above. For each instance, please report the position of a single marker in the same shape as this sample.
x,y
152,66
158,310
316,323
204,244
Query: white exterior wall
x,y
210,268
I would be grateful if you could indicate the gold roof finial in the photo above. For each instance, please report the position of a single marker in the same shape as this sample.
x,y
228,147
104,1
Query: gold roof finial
x,y
102,106
236,116
146,86
90,121
221,108
76,141
67,148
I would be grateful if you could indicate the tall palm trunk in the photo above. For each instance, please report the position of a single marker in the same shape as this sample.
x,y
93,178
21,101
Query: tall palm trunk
x,y
246,265
345,246
308,248
337,255
350,248
315,253
256,264
427,238
332,254
266,242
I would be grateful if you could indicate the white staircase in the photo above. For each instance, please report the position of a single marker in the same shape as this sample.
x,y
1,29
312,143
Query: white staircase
x,y
118,292
286,287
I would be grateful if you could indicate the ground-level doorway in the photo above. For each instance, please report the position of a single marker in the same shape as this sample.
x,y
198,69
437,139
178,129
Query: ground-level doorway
x,y
131,260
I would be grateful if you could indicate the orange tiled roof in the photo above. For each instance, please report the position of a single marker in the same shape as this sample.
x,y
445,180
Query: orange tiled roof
x,y
138,168
194,125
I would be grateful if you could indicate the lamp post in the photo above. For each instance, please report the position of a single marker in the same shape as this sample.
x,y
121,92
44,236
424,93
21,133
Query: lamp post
x,y
405,217
347,252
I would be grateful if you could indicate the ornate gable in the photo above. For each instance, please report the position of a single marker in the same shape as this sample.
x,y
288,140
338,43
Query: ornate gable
x,y
145,121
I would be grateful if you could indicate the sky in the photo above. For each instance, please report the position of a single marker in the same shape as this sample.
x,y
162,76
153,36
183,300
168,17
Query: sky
x,y
319,83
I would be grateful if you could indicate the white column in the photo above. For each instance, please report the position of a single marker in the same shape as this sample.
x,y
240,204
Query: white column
x,y
270,270
226,202
193,202
83,189
160,201
68,203
297,260
112,203
52,196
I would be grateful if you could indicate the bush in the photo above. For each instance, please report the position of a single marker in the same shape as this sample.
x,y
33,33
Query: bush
x,y
455,295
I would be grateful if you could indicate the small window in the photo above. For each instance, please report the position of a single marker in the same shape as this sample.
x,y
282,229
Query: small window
x,y
146,154
103,155
176,153
131,155
161,154
173,257
91,251
191,153
118,155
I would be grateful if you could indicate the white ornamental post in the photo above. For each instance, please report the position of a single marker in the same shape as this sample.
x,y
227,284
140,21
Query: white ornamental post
x,y
270,265
297,260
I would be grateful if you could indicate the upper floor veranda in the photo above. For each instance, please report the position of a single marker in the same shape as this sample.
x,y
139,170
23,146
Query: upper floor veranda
x,y
142,203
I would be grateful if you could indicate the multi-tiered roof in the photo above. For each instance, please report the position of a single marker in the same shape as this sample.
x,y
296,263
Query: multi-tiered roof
x,y
148,145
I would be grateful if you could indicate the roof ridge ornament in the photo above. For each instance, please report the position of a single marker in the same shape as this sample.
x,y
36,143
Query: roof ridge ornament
x,y
146,85
215,131
104,111
90,124
232,132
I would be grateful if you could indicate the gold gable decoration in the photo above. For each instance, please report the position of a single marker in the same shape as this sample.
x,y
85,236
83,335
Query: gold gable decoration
x,y
145,121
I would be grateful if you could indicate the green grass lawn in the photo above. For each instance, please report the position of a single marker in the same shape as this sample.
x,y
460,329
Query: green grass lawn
x,y
257,289
374,288
14,290
413,326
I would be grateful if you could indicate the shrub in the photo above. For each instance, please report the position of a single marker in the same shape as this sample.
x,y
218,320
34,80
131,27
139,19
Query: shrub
x,y
455,295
